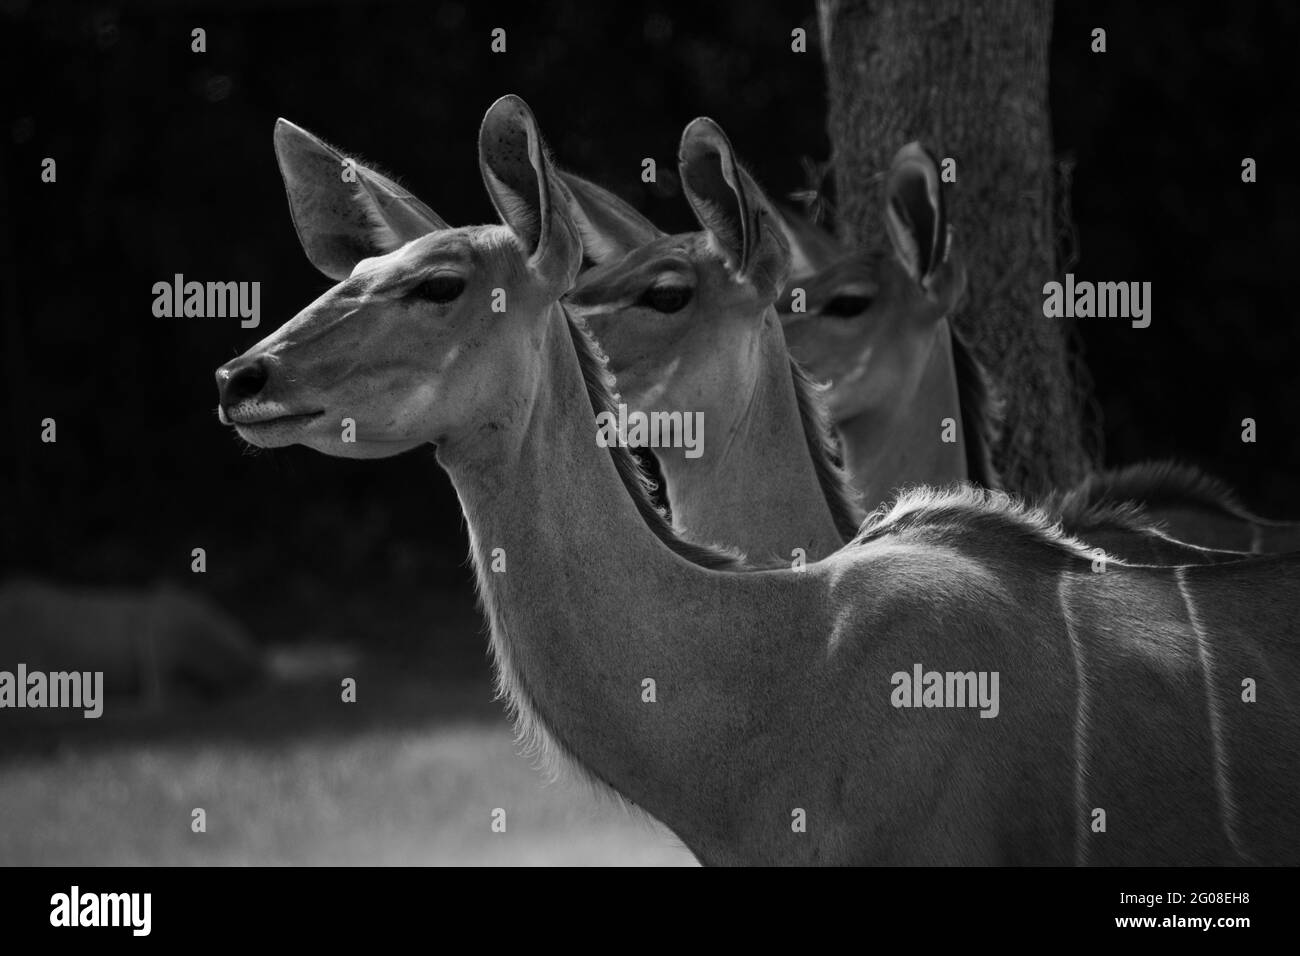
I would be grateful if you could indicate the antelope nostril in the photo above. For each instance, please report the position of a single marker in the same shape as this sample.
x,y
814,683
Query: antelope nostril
x,y
241,379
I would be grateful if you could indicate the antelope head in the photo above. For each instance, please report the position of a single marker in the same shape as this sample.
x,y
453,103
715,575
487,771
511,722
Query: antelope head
x,y
407,344
871,320
665,307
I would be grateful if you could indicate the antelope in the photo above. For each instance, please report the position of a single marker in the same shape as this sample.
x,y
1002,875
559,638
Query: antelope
x,y
875,327
688,323
876,330
680,324
773,738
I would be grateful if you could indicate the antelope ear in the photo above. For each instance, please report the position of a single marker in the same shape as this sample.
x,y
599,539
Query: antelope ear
x,y
527,192
731,207
608,227
915,215
344,212
812,248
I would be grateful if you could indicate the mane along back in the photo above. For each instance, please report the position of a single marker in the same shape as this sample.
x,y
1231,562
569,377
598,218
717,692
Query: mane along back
x,y
968,517
1078,514
1162,484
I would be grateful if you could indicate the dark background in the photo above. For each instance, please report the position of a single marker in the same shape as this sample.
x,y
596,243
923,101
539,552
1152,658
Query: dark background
x,y
165,165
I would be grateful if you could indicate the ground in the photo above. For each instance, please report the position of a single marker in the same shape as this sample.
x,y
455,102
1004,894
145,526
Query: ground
x,y
294,776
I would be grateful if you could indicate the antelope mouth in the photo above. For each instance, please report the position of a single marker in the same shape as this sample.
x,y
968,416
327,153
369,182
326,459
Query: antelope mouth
x,y
264,416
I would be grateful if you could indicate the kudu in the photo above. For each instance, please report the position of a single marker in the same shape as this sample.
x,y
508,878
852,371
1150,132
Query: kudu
x,y
912,405
681,325
772,737
688,325
874,327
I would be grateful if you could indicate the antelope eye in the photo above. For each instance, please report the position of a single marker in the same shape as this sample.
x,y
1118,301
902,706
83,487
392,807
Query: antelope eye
x,y
439,289
846,306
667,298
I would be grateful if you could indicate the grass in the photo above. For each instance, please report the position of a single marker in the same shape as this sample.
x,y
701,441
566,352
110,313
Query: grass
x,y
407,797
289,775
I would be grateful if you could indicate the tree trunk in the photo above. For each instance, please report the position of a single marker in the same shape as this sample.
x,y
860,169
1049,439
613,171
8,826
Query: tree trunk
x,y
968,78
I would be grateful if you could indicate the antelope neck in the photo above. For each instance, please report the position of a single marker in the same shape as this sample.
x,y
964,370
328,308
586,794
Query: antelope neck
x,y
581,616
755,486
903,444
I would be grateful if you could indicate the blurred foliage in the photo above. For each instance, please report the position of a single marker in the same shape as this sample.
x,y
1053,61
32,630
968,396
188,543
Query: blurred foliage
x,y
165,166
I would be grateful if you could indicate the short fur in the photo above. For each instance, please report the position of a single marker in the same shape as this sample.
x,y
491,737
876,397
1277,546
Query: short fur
x,y
600,389
953,513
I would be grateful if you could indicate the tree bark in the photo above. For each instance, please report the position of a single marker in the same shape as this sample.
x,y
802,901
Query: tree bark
x,y
968,78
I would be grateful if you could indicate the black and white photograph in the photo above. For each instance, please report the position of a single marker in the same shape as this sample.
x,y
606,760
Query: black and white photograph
x,y
847,433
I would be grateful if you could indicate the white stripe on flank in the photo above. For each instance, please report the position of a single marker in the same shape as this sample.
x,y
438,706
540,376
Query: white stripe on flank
x,y
1082,829
1222,783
